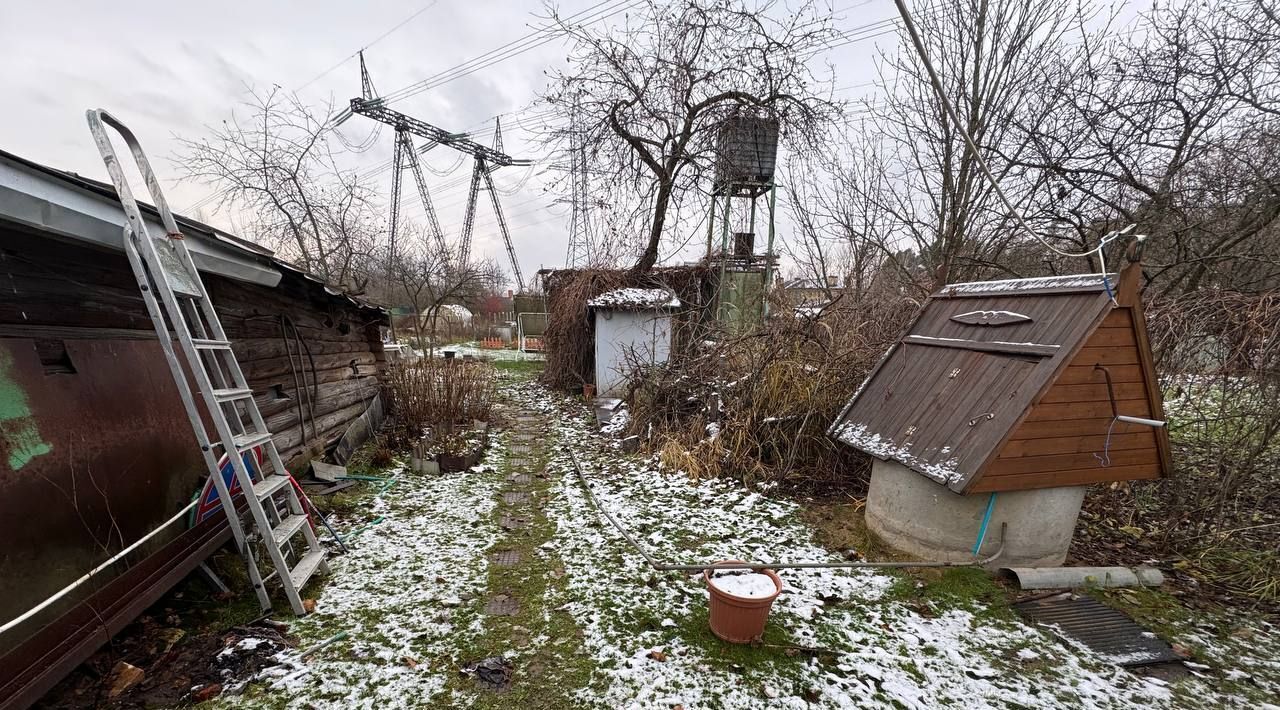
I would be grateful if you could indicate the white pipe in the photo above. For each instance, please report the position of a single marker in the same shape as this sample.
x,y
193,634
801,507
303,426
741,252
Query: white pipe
x,y
1139,420
1077,577
67,589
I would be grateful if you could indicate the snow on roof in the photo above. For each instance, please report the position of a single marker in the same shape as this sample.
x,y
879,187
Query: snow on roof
x,y
636,299
863,439
1083,282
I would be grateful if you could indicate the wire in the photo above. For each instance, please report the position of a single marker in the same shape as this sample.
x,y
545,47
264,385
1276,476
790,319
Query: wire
x,y
531,41
491,54
378,39
973,147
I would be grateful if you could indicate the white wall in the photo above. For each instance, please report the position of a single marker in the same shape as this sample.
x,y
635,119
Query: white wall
x,y
641,335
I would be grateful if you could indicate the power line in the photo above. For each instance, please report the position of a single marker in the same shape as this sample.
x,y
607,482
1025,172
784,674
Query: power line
x,y
533,40
376,40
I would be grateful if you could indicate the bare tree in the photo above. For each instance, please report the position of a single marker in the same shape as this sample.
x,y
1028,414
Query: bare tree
x,y
278,167
1174,127
427,282
647,97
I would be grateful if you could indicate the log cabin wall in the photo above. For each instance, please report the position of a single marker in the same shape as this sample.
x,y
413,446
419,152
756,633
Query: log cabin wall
x,y
1055,445
97,449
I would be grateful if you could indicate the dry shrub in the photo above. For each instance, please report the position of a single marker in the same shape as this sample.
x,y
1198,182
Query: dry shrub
x,y
1218,355
756,407
570,335
440,393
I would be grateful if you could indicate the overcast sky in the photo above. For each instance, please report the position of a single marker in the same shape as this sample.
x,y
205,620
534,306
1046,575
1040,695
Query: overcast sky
x,y
173,68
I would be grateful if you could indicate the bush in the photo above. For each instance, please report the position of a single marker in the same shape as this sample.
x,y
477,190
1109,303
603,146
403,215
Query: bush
x,y
1218,355
756,407
438,393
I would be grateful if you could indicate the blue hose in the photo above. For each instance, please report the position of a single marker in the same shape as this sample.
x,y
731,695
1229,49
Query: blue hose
x,y
986,519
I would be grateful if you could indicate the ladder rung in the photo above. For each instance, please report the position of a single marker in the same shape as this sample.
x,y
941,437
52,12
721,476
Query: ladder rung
x,y
246,442
206,344
306,567
288,527
230,395
269,485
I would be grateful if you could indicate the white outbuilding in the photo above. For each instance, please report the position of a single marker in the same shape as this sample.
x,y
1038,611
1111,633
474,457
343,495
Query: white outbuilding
x,y
633,329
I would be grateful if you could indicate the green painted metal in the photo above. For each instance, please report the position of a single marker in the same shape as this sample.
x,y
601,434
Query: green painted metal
x,y
18,427
741,300
768,251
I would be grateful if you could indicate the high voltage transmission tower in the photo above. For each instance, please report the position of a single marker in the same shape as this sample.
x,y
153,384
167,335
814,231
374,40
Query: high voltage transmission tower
x,y
579,253
487,160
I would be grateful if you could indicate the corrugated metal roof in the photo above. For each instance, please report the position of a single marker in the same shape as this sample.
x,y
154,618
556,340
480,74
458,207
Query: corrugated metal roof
x,y
971,364
76,207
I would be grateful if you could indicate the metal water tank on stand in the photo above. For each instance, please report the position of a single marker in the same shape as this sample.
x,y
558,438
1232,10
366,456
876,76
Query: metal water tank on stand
x,y
746,159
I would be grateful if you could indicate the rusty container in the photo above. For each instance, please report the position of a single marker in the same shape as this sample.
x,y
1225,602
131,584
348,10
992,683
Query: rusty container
x,y
739,619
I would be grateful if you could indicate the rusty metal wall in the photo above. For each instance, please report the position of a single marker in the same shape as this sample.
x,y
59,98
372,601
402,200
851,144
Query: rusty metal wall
x,y
90,460
95,447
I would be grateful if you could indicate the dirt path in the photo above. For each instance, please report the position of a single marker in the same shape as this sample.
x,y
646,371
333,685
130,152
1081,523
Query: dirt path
x,y
526,653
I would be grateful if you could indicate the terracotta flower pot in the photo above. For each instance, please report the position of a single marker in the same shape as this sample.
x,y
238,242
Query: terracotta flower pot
x,y
740,619
588,392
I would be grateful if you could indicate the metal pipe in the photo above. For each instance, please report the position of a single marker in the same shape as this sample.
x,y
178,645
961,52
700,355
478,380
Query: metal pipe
x,y
768,250
323,644
724,257
665,567
711,224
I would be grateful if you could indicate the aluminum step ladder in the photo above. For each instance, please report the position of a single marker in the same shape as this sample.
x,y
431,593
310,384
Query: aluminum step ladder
x,y
179,307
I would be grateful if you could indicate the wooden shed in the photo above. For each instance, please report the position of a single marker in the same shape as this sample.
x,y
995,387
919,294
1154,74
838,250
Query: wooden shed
x,y
1015,385
95,447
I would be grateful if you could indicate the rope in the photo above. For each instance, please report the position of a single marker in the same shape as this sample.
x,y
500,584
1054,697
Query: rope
x,y
1105,457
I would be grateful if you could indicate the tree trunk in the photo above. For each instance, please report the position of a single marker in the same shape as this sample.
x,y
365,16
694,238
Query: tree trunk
x,y
650,255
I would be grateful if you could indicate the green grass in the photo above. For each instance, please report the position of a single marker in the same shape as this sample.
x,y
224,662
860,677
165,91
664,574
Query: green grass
x,y
521,367
971,589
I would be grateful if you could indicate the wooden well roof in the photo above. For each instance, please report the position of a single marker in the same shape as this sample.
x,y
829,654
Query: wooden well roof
x,y
978,368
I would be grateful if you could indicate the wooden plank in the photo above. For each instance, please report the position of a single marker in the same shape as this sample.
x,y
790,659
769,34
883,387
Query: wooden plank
x,y
1152,381
1076,444
1095,426
1085,317
1094,392
1050,317
57,332
1033,349
1086,374
1079,461
1088,410
1118,318
1106,356
1046,291
1001,398
1111,338
1030,481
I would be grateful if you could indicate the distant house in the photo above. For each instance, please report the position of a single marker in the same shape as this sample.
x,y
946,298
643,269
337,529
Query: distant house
x,y
808,291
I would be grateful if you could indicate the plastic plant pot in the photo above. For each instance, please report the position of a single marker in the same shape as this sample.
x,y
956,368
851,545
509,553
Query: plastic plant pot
x,y
739,619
